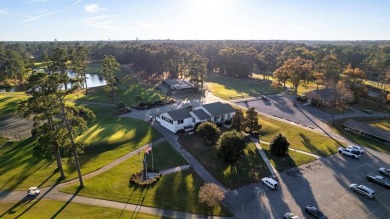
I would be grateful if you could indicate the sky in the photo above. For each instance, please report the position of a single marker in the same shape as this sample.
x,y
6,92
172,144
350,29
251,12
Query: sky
x,y
77,20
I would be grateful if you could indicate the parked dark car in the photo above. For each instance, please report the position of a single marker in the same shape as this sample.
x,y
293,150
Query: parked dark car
x,y
315,212
302,98
384,171
368,111
264,98
379,180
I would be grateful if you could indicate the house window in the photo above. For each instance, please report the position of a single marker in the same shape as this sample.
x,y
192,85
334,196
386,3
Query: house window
x,y
166,119
215,118
193,120
180,122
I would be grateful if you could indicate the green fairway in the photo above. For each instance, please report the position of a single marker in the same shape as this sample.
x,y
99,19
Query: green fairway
x,y
34,209
109,139
229,88
9,102
284,163
250,168
128,89
177,191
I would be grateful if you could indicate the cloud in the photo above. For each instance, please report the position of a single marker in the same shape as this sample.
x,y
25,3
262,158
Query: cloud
x,y
33,18
3,12
92,8
76,2
104,22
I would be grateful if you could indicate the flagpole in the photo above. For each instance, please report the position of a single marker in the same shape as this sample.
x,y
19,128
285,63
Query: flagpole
x,y
146,167
152,159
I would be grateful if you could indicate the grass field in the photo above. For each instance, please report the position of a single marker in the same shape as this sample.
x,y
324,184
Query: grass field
x,y
248,169
9,102
177,191
382,124
284,163
34,209
109,139
228,87
128,89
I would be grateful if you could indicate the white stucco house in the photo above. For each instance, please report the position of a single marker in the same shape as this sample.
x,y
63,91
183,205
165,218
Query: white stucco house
x,y
186,118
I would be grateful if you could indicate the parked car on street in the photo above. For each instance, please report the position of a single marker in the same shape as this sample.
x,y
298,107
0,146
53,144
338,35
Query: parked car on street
x,y
368,111
290,215
302,98
315,212
384,171
271,183
356,148
349,152
33,191
379,180
362,189
264,98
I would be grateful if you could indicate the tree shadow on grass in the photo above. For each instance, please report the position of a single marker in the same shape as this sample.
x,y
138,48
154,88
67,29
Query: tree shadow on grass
x,y
307,142
27,199
67,203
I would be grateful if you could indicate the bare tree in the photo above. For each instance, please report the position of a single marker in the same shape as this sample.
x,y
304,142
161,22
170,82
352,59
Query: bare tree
x,y
211,194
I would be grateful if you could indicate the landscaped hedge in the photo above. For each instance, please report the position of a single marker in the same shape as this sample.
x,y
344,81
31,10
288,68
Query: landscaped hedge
x,y
136,179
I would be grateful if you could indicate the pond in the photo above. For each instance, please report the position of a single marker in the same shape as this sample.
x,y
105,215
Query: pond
x,y
93,80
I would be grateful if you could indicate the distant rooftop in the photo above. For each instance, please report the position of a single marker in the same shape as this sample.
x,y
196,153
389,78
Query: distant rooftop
x,y
178,84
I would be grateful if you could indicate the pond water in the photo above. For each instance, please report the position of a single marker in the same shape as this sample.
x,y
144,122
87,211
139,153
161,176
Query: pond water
x,y
93,80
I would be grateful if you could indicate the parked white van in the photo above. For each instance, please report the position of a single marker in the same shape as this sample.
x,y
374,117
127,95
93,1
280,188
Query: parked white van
x,y
271,183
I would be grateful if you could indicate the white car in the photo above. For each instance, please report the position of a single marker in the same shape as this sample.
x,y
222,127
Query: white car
x,y
357,148
271,183
364,190
33,191
349,152
290,215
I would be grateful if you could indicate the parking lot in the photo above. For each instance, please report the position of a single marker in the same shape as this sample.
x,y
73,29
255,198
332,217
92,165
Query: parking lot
x,y
323,183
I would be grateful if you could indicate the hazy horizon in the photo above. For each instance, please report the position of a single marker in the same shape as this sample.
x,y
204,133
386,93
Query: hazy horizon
x,y
278,20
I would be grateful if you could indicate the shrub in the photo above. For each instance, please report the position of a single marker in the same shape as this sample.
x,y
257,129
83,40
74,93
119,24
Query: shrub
x,y
136,179
209,131
279,145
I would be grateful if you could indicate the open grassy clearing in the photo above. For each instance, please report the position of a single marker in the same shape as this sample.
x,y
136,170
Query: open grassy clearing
x,y
301,89
32,209
299,138
108,137
177,191
382,124
227,87
250,168
9,102
284,163
128,89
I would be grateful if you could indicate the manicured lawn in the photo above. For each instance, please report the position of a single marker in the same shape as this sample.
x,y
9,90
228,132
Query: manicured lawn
x,y
227,87
177,191
284,163
57,209
109,139
128,89
382,124
299,138
248,169
9,102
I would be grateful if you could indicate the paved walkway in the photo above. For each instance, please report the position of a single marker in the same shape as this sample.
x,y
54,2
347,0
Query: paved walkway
x,y
296,150
272,169
174,169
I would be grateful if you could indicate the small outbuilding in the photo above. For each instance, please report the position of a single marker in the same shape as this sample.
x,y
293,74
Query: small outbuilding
x,y
322,97
176,85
